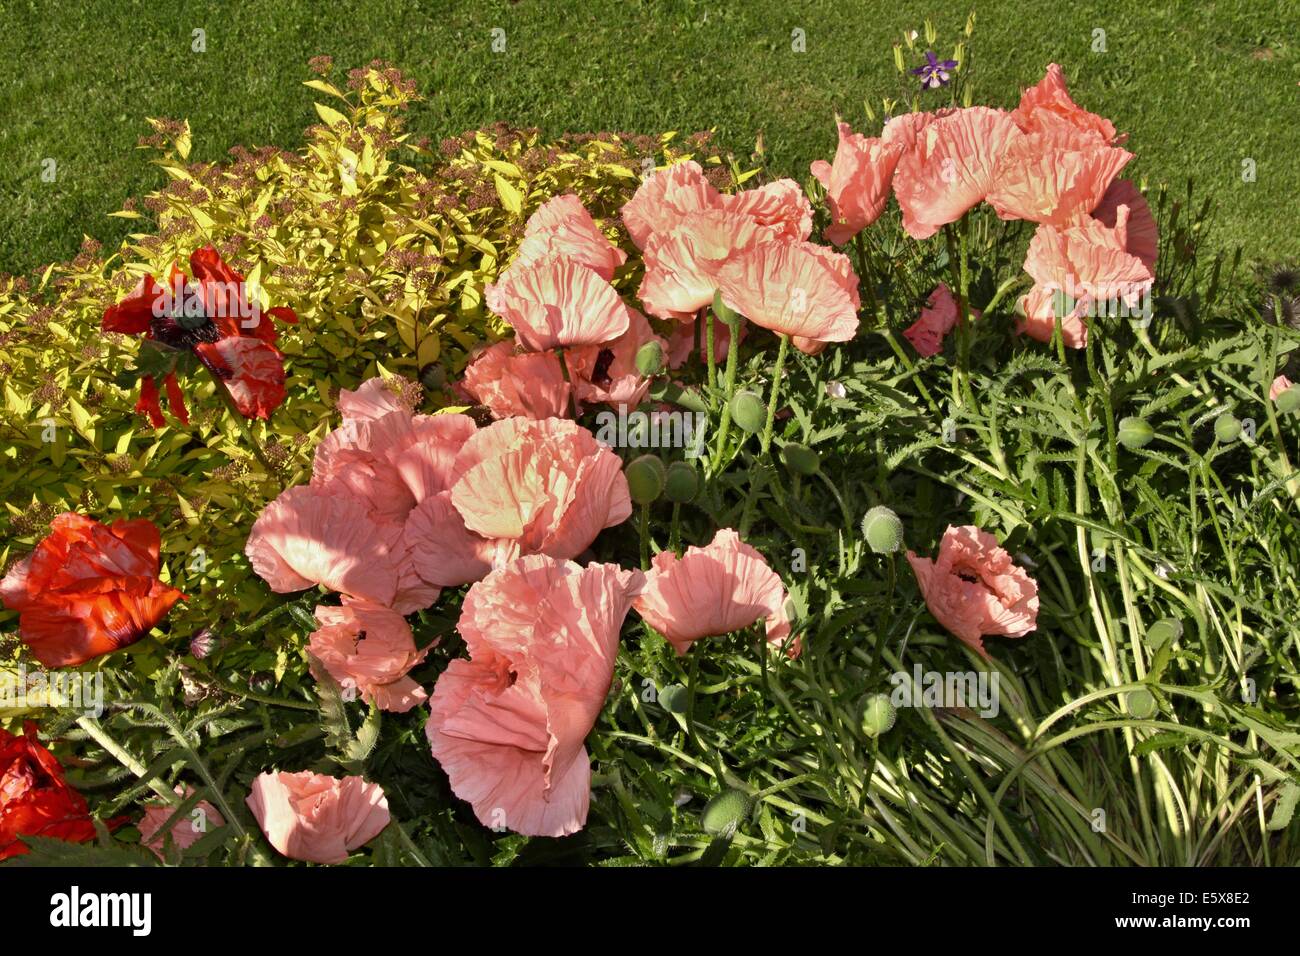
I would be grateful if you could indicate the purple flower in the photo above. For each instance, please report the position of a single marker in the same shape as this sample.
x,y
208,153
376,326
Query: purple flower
x,y
934,72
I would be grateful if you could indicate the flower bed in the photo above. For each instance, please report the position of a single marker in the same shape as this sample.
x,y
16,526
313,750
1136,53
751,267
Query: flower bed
x,y
395,505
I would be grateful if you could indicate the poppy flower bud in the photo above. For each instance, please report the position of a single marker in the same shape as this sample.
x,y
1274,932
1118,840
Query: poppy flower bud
x,y
726,812
649,359
203,643
1135,432
883,530
682,483
800,459
1289,400
673,698
748,411
878,715
645,479
1227,428
724,313
1141,703
1163,632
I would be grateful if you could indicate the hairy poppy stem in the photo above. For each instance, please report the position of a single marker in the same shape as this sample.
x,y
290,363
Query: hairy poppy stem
x,y
712,365
776,392
729,388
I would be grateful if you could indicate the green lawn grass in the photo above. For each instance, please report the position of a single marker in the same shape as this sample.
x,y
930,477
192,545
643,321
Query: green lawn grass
x,y
1199,86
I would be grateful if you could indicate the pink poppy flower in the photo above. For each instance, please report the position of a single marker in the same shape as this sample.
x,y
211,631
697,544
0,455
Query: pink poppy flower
x,y
562,228
369,648
779,205
509,382
857,184
1054,178
1280,385
319,819
723,587
1143,236
796,288
938,318
664,197
974,590
373,398
609,374
1080,271
447,554
556,303
682,265
1048,106
547,485
949,166
508,725
185,832
311,535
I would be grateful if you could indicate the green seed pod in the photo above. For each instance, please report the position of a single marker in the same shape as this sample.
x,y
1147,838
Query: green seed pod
x,y
650,358
883,530
673,698
645,478
725,313
748,411
1141,703
1289,400
800,459
878,715
1163,632
1135,432
724,814
682,483
1227,428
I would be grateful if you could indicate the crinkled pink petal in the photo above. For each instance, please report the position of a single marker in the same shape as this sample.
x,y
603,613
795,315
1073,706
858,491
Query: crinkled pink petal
x,y
1143,236
556,303
974,590
684,262
562,227
723,587
315,818
664,197
797,288
858,183
310,535
609,374
780,205
509,382
950,167
370,648
1044,179
1048,104
444,552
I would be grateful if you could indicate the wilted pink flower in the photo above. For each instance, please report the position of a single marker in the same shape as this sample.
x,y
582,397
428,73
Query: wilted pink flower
x,y
664,197
1080,271
723,587
508,725
319,819
949,163
556,303
369,648
938,318
797,288
510,382
562,228
779,205
1048,107
974,590
1143,236
858,182
185,832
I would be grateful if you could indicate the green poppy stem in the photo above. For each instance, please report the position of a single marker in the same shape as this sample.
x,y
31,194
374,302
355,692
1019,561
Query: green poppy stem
x,y
729,389
776,392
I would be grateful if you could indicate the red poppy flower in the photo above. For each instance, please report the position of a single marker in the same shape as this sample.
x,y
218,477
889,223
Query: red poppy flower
x,y
88,589
210,307
35,800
